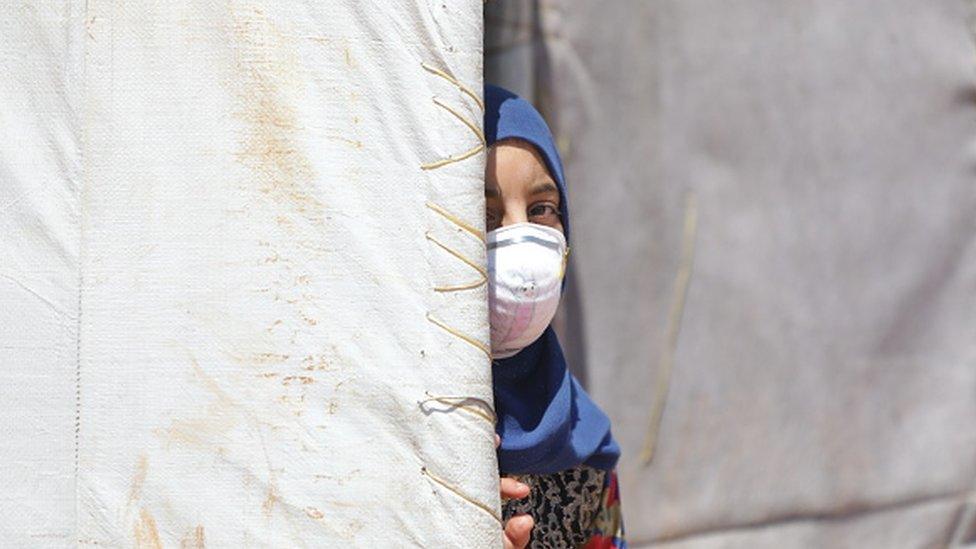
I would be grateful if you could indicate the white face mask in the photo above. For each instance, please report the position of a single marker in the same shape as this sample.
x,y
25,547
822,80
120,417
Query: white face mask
x,y
526,262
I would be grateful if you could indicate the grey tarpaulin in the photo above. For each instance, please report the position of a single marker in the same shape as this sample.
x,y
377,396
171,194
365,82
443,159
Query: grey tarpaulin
x,y
823,390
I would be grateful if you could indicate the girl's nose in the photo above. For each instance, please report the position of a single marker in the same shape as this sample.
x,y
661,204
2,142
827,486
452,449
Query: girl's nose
x,y
514,213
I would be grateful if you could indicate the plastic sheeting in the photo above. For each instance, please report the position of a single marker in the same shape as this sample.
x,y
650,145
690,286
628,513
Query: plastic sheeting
x,y
230,243
819,157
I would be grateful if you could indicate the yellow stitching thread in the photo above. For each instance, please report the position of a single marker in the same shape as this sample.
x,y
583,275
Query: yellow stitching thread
x,y
483,410
481,270
458,221
461,287
457,254
424,471
481,346
452,159
471,125
456,82
470,409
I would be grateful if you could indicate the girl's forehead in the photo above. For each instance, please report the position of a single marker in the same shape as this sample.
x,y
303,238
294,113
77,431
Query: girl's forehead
x,y
516,162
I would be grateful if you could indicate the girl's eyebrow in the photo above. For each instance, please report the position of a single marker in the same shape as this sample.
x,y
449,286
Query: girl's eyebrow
x,y
543,187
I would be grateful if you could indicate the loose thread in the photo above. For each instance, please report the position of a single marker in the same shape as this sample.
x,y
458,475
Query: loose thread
x,y
481,346
681,283
483,410
458,221
452,159
480,235
481,270
464,89
424,471
478,132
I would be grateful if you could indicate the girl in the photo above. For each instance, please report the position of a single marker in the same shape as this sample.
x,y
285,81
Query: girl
x,y
555,441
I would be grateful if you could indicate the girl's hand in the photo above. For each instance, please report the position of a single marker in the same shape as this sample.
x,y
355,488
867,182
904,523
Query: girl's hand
x,y
518,528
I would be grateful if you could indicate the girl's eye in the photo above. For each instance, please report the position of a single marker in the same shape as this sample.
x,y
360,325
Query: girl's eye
x,y
543,212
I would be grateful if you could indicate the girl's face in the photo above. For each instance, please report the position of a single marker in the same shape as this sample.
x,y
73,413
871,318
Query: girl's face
x,y
518,187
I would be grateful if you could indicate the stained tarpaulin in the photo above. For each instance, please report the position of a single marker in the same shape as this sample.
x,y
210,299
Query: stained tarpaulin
x,y
785,191
240,303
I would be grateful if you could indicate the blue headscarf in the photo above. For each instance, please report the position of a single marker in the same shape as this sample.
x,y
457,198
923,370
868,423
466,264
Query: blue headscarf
x,y
546,420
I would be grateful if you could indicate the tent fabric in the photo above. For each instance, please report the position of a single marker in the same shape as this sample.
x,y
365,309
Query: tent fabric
x,y
821,391
231,235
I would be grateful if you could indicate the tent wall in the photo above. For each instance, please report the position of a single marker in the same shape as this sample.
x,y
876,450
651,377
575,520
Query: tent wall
x,y
225,239
40,176
809,165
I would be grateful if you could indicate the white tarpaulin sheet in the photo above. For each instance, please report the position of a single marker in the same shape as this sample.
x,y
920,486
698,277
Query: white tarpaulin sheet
x,y
239,301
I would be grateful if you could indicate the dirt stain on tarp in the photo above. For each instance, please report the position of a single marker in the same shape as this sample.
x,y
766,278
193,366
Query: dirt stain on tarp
x,y
304,380
268,81
259,358
270,500
266,71
146,534
314,513
194,539
138,478
222,415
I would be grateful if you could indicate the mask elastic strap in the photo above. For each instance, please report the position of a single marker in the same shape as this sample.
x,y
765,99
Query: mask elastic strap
x,y
562,269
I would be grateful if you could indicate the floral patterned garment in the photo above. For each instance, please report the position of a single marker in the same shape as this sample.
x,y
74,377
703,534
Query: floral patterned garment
x,y
575,508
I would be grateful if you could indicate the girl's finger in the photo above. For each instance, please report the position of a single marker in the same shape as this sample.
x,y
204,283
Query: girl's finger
x,y
513,489
517,531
